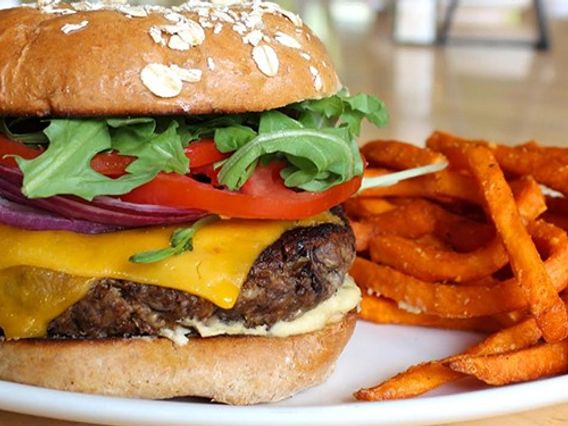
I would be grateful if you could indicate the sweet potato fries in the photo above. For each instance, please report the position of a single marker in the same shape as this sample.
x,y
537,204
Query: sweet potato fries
x,y
476,246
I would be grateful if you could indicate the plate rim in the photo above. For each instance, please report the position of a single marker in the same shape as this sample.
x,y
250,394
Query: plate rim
x,y
98,409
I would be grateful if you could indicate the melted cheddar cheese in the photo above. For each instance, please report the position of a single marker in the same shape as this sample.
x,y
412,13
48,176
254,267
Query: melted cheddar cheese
x,y
31,297
51,270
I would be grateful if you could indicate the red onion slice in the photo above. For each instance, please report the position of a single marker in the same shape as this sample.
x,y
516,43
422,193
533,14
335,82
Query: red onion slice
x,y
26,217
103,210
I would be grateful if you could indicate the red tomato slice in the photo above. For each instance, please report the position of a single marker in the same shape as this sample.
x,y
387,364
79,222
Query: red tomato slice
x,y
264,196
203,153
200,153
9,147
111,164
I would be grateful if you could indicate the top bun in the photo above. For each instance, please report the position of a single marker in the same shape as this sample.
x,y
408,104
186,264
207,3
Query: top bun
x,y
217,56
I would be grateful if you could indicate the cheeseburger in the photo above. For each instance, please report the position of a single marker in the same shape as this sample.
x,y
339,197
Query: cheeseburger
x,y
169,183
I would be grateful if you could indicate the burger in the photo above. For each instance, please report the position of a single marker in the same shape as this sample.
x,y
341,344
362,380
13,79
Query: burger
x,y
169,183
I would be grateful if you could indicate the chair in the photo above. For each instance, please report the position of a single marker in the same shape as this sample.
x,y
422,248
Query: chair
x,y
541,43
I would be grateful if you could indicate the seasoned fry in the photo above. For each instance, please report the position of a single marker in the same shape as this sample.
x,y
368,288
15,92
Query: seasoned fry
x,y
363,233
548,168
520,366
364,208
419,217
439,261
557,219
432,264
443,185
532,277
450,301
415,381
398,155
444,300
384,311
547,165
425,377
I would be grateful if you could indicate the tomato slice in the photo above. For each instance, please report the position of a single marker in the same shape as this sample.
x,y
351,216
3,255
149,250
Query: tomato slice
x,y
111,164
9,148
264,196
203,153
200,153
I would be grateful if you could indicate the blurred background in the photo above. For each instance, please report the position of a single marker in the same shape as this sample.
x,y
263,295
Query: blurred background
x,y
493,69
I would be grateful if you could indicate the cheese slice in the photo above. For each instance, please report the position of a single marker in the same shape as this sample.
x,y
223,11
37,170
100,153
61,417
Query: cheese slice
x,y
31,297
215,270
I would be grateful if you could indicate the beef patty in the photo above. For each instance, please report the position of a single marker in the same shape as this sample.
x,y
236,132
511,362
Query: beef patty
x,y
304,267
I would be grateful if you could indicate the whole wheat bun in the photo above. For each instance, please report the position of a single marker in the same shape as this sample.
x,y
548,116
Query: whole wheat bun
x,y
233,370
50,69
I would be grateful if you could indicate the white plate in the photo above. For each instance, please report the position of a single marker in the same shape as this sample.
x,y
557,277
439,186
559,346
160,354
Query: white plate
x,y
375,353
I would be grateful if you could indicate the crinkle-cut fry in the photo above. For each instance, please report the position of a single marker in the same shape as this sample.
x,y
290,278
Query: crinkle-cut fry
x,y
519,366
433,264
384,311
528,268
425,377
452,301
364,208
548,166
398,155
442,185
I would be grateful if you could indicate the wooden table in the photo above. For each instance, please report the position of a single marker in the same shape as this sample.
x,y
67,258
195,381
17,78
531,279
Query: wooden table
x,y
557,415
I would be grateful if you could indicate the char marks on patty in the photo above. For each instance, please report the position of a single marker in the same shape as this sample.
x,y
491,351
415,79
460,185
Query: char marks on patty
x,y
304,267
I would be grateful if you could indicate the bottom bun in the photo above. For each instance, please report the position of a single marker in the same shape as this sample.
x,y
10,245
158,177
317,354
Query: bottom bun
x,y
233,370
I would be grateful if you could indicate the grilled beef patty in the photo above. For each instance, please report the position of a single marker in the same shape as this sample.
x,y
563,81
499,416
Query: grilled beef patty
x,y
304,267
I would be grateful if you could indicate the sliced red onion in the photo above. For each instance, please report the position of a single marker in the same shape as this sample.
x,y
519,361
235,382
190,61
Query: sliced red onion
x,y
104,210
26,217
116,204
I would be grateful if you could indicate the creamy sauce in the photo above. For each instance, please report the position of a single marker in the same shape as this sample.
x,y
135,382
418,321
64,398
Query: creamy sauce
x,y
330,311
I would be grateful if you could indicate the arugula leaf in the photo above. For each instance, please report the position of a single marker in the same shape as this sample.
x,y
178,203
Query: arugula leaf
x,y
323,149
35,138
231,138
180,242
316,138
363,106
64,168
318,162
163,152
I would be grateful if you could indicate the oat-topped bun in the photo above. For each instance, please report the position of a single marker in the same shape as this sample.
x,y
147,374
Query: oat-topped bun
x,y
202,57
